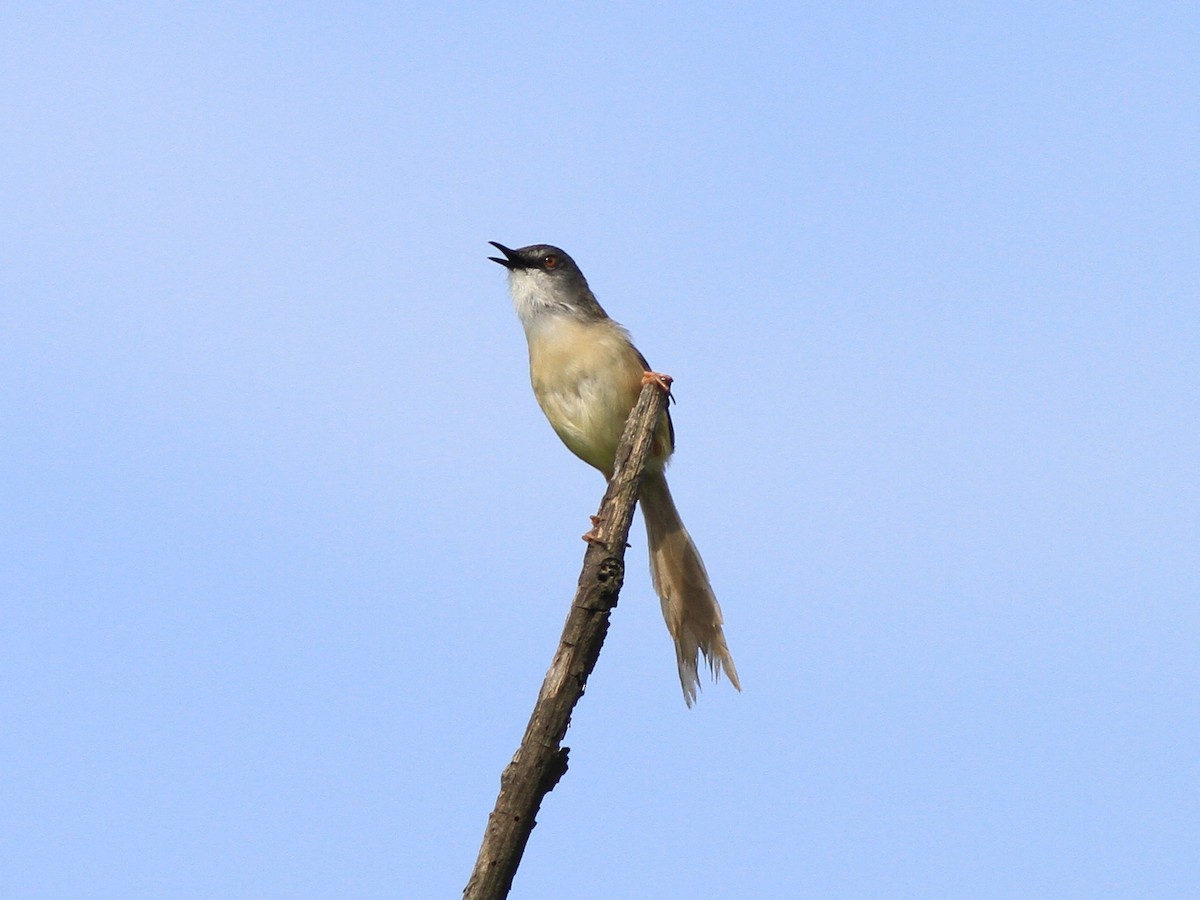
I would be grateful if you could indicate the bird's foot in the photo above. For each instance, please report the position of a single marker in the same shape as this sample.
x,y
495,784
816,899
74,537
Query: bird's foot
x,y
663,381
593,536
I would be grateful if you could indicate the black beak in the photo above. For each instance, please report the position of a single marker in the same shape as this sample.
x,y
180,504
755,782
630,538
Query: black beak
x,y
513,258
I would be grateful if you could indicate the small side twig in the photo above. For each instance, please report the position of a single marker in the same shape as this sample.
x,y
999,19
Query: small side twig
x,y
541,761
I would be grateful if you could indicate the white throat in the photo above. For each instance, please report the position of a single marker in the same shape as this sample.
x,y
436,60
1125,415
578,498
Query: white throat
x,y
536,298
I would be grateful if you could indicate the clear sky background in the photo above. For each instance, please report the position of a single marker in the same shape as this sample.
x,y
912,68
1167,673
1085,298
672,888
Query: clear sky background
x,y
286,545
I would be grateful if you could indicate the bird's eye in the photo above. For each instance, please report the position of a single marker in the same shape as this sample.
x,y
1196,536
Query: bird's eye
x,y
550,261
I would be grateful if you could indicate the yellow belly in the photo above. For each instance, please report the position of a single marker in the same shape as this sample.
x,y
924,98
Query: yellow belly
x,y
586,376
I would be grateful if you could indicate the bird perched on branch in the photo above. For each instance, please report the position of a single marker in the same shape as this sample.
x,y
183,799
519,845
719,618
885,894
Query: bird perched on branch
x,y
587,375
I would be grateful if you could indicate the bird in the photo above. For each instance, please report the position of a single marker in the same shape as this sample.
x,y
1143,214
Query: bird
x,y
586,375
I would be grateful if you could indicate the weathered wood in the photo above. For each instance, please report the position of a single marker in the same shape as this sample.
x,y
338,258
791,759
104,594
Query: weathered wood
x,y
541,761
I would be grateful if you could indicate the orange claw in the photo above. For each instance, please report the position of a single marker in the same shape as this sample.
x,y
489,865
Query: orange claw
x,y
593,536
663,381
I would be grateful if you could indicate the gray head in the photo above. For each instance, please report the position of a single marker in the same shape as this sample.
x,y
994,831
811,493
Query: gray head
x,y
544,279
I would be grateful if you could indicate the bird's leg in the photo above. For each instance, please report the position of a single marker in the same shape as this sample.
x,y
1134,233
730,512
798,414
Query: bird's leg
x,y
663,381
593,536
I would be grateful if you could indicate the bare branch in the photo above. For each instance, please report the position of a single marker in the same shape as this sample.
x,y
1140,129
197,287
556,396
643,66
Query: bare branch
x,y
541,761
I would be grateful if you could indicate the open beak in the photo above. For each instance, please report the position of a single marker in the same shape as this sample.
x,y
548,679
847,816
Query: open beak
x,y
512,257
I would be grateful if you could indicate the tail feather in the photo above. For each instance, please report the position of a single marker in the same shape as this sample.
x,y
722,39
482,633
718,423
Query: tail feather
x,y
689,605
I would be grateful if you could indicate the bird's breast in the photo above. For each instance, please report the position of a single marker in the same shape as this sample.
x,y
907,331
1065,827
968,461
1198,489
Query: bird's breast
x,y
586,376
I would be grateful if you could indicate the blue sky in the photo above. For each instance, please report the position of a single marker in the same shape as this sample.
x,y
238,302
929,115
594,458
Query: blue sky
x,y
287,544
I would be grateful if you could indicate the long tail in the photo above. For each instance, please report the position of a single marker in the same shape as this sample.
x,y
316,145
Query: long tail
x,y
688,603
